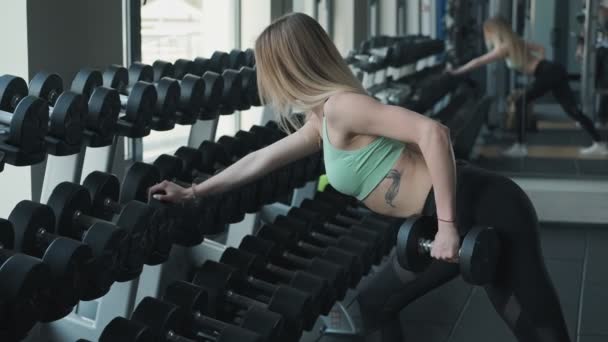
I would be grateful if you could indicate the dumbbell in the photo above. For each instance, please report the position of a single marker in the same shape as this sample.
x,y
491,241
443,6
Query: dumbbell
x,y
170,322
188,222
106,240
359,241
121,329
232,79
199,94
250,57
278,254
191,160
244,262
213,86
294,236
228,150
67,112
222,283
138,101
171,167
168,92
236,59
239,58
103,107
318,287
197,300
478,253
25,120
387,227
310,227
24,285
73,207
104,190
68,259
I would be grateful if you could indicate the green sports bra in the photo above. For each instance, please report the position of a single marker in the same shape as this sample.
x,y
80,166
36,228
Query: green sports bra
x,y
358,172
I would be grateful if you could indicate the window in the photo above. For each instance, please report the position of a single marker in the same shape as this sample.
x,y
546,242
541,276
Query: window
x,y
173,29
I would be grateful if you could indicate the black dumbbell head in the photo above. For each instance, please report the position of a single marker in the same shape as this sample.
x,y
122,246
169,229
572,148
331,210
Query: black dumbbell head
x,y
46,86
169,166
29,124
102,186
237,59
183,67
67,121
162,69
116,77
104,108
146,240
410,233
138,179
140,72
192,95
12,90
121,329
161,317
250,57
219,62
85,81
479,254
214,87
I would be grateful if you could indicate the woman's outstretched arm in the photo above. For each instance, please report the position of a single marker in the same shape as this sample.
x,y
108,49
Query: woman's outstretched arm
x,y
298,145
492,56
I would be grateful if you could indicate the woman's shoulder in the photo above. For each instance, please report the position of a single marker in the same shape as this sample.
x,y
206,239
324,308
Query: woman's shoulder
x,y
344,104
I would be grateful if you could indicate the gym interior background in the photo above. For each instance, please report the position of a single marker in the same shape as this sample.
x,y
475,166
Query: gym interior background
x,y
570,192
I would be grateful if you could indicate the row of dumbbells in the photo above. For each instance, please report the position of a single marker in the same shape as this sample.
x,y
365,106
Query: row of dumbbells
x,y
89,236
381,52
274,285
45,118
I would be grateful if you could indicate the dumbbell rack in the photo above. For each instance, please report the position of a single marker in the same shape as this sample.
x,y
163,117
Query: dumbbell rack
x,y
90,318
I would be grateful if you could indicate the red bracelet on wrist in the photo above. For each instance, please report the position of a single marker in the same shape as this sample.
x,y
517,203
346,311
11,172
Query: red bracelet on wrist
x,y
446,221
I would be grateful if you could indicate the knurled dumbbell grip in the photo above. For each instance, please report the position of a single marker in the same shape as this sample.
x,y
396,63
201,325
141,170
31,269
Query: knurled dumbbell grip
x,y
425,246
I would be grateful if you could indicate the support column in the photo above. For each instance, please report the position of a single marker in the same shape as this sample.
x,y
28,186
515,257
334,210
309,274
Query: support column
x,y
352,30
589,59
388,17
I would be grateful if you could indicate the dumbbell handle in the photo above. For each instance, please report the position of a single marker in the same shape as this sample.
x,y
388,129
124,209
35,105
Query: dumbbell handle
x,y
281,272
206,322
261,285
124,99
425,245
298,260
310,248
243,301
86,220
111,204
173,337
44,238
6,117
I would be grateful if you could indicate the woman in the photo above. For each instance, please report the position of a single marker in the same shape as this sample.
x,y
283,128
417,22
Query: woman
x,y
391,158
529,58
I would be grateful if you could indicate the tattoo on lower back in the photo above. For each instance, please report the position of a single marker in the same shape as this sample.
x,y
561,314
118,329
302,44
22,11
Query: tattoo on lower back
x,y
393,189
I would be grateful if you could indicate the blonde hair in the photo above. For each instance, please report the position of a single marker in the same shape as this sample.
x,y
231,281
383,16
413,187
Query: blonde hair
x,y
497,31
299,67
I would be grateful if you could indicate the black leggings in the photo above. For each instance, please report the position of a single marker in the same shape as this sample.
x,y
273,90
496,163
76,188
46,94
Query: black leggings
x,y
522,293
550,76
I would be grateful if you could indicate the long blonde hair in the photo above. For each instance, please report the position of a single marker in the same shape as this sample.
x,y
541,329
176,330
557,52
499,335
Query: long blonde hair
x,y
498,32
299,67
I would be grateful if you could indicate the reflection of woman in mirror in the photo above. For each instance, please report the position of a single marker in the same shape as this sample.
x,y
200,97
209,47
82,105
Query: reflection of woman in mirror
x,y
529,58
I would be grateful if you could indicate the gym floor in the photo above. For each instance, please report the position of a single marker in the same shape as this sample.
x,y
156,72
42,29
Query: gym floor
x,y
575,256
